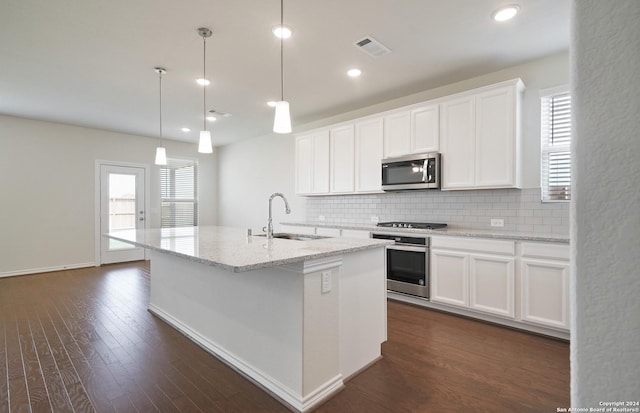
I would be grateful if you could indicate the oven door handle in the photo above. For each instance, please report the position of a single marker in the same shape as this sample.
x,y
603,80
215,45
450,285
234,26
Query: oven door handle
x,y
406,248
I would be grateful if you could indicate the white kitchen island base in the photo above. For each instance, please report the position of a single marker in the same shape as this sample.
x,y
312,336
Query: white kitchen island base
x,y
275,325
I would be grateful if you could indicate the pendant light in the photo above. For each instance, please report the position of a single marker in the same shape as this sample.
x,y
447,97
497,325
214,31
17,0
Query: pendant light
x,y
282,119
161,153
205,144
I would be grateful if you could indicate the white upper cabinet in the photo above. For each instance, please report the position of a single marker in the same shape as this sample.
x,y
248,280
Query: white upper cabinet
x,y
342,160
477,132
312,163
457,143
397,130
496,139
369,144
425,129
480,138
412,131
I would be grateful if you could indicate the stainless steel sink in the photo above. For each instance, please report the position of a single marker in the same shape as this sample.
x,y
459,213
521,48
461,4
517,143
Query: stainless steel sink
x,y
296,237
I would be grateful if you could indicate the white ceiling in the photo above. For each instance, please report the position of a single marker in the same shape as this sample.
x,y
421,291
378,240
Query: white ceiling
x,y
90,63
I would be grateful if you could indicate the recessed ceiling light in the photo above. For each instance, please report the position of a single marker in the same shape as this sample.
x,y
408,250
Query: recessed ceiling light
x,y
271,103
505,13
203,82
354,72
185,130
211,118
283,32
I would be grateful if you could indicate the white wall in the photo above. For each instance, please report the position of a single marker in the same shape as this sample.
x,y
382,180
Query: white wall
x,y
251,170
605,347
47,189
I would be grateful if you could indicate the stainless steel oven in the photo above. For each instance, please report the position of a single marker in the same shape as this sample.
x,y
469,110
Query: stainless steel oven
x,y
407,264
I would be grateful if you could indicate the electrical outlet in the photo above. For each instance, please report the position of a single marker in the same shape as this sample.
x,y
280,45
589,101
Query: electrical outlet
x,y
320,217
496,222
326,281
375,219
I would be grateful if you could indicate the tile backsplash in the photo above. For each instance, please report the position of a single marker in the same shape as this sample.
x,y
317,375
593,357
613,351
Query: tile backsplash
x,y
521,209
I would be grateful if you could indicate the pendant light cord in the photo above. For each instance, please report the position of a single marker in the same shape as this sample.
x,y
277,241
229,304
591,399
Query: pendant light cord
x,y
160,76
281,50
204,86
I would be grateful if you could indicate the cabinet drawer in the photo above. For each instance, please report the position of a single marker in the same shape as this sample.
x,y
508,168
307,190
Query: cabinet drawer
x,y
546,250
475,245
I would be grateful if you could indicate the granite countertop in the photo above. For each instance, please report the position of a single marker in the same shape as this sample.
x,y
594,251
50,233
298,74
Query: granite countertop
x,y
457,232
231,248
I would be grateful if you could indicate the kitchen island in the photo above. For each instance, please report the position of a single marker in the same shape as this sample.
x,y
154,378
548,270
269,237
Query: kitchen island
x,y
297,317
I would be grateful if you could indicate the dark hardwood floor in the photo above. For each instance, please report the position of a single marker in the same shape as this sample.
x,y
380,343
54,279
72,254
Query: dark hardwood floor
x,y
82,341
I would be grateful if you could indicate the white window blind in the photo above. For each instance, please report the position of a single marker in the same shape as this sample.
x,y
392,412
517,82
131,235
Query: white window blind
x,y
178,193
556,146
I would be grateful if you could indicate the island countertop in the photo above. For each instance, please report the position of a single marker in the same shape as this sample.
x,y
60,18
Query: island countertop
x,y
233,250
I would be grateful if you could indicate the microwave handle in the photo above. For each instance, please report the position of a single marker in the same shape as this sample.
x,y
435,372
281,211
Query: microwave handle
x,y
425,171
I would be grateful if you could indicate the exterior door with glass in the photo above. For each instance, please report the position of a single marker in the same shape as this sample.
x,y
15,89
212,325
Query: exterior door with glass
x,y
122,207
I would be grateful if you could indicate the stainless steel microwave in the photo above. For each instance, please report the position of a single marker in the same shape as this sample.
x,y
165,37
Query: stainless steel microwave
x,y
420,171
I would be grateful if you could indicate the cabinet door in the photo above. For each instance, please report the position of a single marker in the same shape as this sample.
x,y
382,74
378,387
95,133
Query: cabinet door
x,y
449,277
545,292
495,160
304,164
342,160
320,171
369,144
491,284
457,122
425,129
397,130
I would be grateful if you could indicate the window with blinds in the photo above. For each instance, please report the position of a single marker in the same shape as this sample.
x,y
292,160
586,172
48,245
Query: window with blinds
x,y
178,193
556,146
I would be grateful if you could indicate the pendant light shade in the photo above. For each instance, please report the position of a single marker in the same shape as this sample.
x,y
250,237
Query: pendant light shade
x,y
205,145
282,118
161,156
161,153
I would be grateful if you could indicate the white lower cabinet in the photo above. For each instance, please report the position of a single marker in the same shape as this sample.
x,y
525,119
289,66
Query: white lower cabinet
x,y
477,274
491,284
544,292
450,277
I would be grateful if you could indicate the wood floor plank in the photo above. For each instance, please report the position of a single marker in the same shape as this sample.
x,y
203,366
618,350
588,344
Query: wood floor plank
x,y
38,397
56,390
85,337
18,393
4,387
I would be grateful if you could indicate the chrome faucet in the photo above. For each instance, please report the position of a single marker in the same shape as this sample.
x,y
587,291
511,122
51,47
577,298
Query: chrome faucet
x,y
270,223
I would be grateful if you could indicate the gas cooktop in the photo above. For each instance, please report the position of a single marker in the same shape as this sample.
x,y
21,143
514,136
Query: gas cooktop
x,y
418,225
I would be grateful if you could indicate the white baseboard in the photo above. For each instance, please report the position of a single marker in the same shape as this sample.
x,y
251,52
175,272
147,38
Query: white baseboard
x,y
46,269
276,389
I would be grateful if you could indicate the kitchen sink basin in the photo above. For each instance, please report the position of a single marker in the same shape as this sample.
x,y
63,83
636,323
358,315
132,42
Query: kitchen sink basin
x,y
296,237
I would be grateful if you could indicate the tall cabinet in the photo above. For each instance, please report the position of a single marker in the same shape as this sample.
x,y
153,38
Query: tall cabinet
x,y
480,138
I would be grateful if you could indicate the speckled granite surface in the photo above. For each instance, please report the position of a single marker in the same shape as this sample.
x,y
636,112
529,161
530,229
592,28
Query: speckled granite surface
x,y
233,250
458,232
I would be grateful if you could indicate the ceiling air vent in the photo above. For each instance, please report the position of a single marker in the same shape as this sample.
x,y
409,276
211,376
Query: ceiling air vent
x,y
372,47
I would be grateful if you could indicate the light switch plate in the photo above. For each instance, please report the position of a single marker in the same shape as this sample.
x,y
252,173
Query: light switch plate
x,y
320,217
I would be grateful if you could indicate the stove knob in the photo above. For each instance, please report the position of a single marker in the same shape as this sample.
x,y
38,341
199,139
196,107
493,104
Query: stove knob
x,y
409,226
395,225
